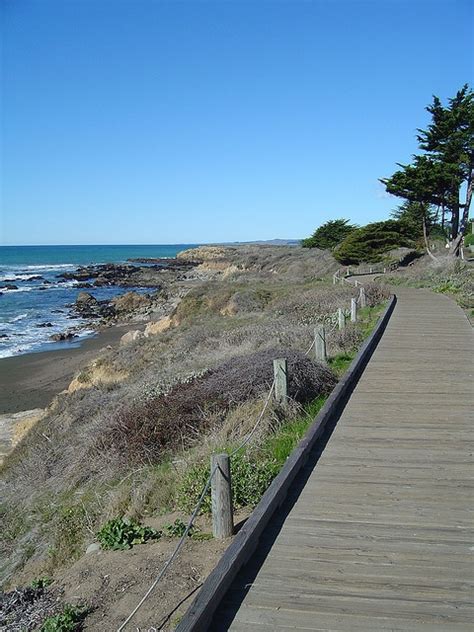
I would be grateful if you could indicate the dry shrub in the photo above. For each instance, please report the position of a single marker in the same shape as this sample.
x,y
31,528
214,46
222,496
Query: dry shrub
x,y
146,431
313,304
344,340
376,293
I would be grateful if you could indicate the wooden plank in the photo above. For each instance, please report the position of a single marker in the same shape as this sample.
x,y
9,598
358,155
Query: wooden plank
x,y
281,620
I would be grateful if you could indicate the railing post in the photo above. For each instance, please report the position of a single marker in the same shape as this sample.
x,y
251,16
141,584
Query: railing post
x,y
371,270
320,343
280,371
341,319
353,310
363,300
221,497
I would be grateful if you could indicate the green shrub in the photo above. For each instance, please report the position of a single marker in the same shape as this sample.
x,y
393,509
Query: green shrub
x,y
120,534
329,234
469,239
68,620
369,243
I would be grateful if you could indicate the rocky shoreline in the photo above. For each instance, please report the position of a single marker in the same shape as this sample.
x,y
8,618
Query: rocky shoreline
x,y
158,275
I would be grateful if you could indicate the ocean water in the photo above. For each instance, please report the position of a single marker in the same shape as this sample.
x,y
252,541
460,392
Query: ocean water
x,y
41,297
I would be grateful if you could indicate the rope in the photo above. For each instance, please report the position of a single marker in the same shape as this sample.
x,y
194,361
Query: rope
x,y
310,346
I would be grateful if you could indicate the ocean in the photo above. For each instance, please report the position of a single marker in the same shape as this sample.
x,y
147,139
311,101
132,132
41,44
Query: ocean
x,y
35,306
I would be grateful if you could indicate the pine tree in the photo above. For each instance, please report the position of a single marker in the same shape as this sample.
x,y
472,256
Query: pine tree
x,y
438,177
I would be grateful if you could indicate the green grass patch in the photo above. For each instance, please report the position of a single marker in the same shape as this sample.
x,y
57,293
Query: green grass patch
x,y
69,620
281,444
340,363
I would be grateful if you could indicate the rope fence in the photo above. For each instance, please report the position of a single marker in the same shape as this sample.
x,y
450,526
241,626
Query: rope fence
x,y
319,340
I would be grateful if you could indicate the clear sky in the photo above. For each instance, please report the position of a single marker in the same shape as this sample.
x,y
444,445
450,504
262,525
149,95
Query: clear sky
x,y
141,121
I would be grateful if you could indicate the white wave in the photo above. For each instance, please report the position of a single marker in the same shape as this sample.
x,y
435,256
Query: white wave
x,y
19,317
5,290
16,350
17,277
52,266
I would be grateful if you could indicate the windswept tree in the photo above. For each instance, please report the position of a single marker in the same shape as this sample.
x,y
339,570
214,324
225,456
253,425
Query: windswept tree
x,y
329,235
442,177
370,243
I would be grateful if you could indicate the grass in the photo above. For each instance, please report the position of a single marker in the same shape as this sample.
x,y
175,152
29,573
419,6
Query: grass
x,y
281,444
340,363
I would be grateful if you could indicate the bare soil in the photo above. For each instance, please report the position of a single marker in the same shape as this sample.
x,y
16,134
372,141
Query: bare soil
x,y
113,582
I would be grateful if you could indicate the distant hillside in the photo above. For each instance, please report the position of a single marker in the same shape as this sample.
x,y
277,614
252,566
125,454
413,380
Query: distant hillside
x,y
266,242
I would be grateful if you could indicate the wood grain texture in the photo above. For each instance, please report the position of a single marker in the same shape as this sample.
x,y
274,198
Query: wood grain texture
x,y
380,535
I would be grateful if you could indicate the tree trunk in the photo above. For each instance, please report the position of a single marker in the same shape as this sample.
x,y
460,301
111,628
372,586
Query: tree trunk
x,y
425,236
456,244
465,214
454,221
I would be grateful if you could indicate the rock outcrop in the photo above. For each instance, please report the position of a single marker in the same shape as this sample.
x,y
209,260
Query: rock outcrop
x,y
131,336
157,327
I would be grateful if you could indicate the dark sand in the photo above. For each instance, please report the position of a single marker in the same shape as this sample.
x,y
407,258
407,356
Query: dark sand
x,y
32,380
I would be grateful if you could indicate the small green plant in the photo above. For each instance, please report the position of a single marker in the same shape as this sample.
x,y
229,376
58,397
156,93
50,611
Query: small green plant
x,y
68,620
177,529
41,583
120,534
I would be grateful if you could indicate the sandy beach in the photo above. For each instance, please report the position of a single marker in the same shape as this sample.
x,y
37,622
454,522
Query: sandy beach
x,y
32,380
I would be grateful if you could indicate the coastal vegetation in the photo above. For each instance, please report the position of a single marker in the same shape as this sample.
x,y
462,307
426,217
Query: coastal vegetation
x,y
329,235
121,462
436,188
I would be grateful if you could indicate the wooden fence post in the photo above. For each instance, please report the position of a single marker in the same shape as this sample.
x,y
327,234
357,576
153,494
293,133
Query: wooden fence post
x,y
280,371
363,300
221,496
320,343
341,319
353,310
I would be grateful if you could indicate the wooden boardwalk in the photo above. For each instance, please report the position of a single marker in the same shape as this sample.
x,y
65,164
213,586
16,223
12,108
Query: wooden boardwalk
x,y
379,534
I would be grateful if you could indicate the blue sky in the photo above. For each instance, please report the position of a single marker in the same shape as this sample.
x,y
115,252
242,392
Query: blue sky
x,y
139,121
